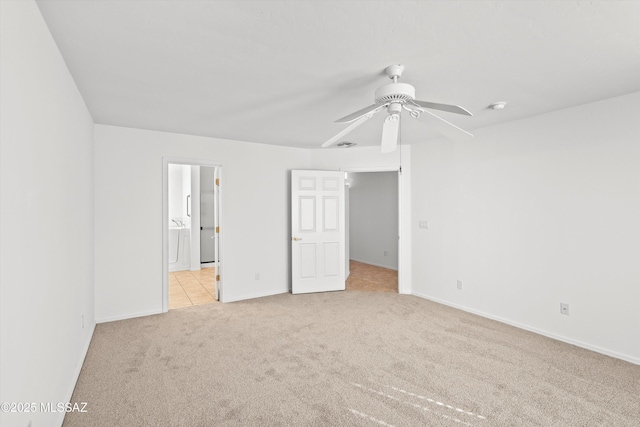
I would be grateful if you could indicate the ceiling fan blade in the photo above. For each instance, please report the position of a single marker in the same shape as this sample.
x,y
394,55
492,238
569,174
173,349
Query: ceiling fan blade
x,y
390,133
367,110
346,130
442,107
444,127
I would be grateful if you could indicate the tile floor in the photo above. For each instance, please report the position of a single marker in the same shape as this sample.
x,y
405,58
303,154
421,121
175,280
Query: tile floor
x,y
187,288
366,277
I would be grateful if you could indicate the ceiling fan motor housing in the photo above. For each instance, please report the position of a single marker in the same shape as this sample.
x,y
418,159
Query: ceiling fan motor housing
x,y
395,92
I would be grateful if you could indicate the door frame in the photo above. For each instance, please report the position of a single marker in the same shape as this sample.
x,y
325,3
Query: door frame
x,y
165,222
403,276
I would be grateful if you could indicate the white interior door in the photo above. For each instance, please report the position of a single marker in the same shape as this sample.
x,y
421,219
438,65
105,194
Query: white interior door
x,y
317,231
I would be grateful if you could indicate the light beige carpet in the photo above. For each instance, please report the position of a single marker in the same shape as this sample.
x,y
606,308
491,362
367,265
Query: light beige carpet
x,y
344,359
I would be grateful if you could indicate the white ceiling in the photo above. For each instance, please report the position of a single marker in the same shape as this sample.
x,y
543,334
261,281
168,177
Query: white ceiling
x,y
280,72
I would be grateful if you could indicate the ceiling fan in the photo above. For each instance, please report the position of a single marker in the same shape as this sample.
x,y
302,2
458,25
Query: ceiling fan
x,y
395,97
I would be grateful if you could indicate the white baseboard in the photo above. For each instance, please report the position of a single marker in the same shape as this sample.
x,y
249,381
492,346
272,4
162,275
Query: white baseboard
x,y
607,352
76,374
127,316
257,295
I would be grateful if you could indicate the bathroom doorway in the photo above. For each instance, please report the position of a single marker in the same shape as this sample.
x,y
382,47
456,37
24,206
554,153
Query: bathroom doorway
x,y
192,268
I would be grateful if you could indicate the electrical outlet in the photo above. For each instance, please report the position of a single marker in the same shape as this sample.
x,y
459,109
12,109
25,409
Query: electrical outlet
x,y
459,284
424,224
564,308
386,253
257,276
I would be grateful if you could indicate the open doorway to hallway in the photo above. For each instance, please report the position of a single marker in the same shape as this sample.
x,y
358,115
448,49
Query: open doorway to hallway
x,y
373,231
191,239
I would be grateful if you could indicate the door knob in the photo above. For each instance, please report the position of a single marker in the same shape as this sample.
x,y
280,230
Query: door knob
x,y
295,239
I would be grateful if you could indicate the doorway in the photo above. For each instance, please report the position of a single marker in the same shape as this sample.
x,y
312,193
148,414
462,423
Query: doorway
x,y
373,230
191,233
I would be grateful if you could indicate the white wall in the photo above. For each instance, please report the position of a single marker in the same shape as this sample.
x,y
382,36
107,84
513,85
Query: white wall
x,y
533,213
128,186
373,217
46,211
367,159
